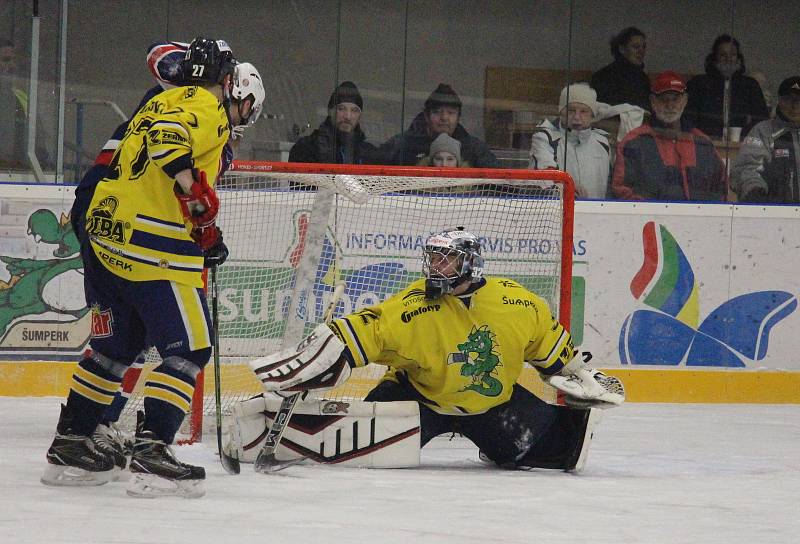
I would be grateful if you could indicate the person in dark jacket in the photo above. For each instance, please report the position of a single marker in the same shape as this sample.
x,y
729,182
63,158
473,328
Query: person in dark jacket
x,y
725,67
667,159
441,115
767,168
339,139
624,81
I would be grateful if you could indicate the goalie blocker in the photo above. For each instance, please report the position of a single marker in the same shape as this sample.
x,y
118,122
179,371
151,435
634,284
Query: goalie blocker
x,y
354,433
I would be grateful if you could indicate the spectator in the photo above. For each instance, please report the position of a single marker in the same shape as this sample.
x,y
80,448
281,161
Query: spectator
x,y
441,115
667,159
766,168
571,144
339,139
13,110
445,152
624,81
725,68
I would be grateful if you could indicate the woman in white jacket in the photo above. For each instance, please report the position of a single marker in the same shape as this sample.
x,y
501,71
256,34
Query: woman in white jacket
x,y
571,144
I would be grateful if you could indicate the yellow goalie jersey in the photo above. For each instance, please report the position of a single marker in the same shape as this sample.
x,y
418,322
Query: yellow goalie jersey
x,y
463,360
134,221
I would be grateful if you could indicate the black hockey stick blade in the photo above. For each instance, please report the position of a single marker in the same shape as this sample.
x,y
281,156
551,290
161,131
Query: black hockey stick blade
x,y
229,462
268,464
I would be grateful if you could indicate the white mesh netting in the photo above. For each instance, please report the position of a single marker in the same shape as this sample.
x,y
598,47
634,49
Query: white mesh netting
x,y
293,236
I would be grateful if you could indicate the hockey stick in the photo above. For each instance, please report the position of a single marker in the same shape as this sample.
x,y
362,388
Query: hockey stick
x,y
266,462
229,463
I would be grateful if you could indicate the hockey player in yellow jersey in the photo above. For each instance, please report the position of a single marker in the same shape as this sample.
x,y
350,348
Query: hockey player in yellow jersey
x,y
456,343
150,227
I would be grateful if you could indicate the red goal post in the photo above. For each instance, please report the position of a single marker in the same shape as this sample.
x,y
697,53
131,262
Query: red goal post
x,y
270,217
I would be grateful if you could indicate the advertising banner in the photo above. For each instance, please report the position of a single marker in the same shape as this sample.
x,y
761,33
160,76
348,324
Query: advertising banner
x,y
654,285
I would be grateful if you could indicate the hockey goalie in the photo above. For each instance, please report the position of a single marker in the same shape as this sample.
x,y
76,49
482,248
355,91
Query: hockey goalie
x,y
454,352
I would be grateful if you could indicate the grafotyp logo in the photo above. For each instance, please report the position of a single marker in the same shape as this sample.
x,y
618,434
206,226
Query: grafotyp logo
x,y
666,330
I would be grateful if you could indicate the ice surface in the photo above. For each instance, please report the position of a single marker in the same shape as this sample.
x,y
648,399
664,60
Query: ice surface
x,y
710,474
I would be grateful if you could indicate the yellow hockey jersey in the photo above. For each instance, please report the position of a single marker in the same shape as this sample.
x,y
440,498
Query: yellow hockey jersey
x,y
463,360
134,221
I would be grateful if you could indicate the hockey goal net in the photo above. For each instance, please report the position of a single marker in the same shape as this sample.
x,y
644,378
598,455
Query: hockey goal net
x,y
294,231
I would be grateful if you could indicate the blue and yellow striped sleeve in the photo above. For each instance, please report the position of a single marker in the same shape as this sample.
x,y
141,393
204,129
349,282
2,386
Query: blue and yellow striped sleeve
x,y
550,347
360,332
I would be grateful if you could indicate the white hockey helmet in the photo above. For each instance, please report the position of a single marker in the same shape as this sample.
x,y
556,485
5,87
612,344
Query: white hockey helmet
x,y
248,92
458,247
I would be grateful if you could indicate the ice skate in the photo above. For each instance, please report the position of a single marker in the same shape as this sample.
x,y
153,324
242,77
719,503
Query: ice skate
x,y
157,473
74,460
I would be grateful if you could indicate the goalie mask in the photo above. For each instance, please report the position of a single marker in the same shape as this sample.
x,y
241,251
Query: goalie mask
x,y
451,258
247,94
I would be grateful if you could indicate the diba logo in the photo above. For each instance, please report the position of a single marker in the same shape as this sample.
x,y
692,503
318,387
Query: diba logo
x,y
667,331
406,317
101,221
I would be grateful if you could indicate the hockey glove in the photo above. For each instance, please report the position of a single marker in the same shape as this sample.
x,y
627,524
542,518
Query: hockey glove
x,y
316,363
206,237
217,254
586,387
202,205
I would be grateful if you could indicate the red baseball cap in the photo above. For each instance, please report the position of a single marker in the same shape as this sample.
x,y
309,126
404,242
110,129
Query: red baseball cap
x,y
668,82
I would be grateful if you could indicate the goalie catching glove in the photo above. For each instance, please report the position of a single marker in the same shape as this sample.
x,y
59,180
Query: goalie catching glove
x,y
315,364
585,386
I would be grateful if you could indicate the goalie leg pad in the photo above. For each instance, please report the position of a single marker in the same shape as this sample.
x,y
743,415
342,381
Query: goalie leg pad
x,y
354,433
316,363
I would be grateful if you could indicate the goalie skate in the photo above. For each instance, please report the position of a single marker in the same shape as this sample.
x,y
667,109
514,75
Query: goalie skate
x,y
157,473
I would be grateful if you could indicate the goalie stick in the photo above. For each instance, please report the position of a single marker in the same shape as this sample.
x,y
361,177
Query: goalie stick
x,y
229,462
266,462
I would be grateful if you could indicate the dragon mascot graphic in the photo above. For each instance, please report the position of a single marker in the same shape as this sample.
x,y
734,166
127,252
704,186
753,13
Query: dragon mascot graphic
x,y
478,361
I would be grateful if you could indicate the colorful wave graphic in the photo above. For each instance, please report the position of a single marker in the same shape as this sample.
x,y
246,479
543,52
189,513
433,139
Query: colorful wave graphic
x,y
667,331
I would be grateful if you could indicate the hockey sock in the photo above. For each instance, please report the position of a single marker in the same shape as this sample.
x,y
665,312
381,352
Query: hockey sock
x,y
129,381
91,391
168,396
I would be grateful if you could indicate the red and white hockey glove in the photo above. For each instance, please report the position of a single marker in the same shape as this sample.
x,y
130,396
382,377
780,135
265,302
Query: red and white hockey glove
x,y
202,205
207,237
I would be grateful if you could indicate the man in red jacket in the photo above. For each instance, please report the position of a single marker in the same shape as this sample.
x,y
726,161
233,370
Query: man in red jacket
x,y
667,159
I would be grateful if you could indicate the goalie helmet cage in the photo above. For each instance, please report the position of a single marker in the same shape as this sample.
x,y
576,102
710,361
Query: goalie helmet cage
x,y
294,230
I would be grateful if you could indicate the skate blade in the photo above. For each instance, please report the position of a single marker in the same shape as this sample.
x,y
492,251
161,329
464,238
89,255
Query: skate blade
x,y
150,486
65,476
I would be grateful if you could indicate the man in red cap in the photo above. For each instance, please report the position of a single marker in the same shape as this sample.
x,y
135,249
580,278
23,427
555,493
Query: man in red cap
x,y
667,159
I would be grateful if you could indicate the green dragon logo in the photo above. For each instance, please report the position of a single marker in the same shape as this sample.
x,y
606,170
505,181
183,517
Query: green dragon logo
x,y
478,361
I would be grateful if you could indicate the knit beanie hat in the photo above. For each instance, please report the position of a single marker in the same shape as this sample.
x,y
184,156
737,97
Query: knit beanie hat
x,y
444,95
578,92
443,142
346,92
